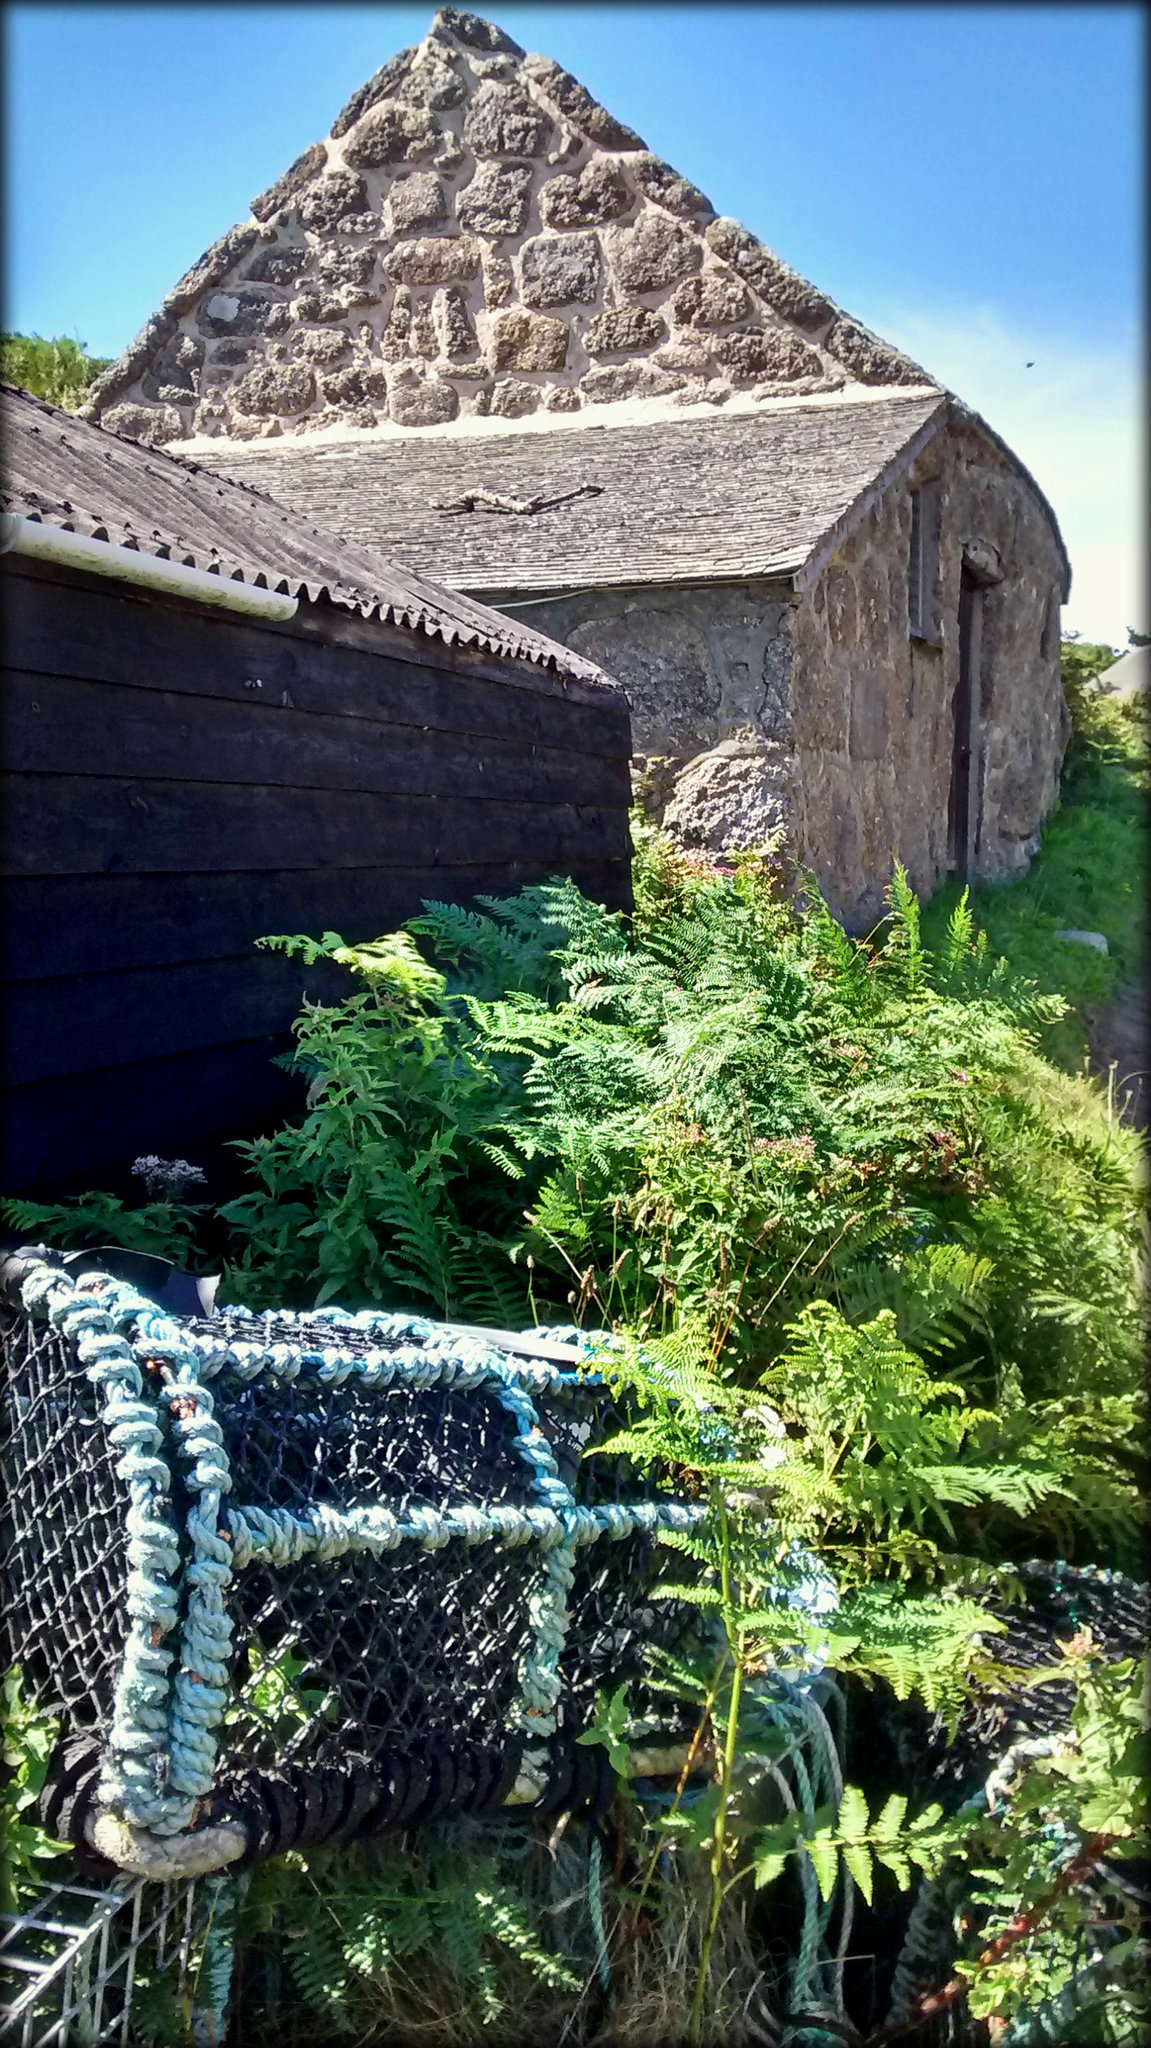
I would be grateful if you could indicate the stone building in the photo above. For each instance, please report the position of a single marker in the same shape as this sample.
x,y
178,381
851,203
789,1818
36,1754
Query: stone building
x,y
481,326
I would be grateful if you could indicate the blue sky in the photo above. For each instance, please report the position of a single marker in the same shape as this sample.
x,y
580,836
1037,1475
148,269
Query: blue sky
x,y
965,179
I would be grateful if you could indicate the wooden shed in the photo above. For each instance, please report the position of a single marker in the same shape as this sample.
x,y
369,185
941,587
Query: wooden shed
x,y
219,723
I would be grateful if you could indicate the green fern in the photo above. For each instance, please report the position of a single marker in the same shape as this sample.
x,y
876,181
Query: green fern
x,y
166,1230
362,1923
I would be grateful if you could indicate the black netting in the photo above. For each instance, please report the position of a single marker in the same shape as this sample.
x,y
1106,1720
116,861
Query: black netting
x,y
63,1544
376,1654
293,1443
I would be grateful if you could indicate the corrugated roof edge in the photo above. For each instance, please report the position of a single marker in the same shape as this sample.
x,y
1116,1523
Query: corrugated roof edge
x,y
436,611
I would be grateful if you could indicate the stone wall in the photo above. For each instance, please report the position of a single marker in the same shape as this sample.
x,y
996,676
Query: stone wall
x,y
754,710
873,709
708,674
476,236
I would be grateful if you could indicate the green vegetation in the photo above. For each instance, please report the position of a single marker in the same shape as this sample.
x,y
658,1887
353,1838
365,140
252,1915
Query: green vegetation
x,y
59,370
27,1740
167,1230
383,1938
710,1121
1091,871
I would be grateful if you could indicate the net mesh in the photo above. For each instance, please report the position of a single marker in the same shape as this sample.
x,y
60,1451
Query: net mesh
x,y
62,1523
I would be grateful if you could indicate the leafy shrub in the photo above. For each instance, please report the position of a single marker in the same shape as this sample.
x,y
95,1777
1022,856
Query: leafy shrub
x,y
59,370
380,1935
1081,663
871,1262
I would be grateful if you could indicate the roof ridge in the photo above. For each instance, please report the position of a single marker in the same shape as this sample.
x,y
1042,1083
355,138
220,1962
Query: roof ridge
x,y
477,235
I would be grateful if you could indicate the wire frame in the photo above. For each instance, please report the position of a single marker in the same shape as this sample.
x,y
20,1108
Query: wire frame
x,y
73,1959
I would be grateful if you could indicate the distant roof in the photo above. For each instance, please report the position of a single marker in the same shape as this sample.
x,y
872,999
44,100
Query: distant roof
x,y
1130,673
671,501
477,238
85,480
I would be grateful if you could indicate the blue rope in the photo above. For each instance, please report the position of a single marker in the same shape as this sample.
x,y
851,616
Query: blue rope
x,y
201,1689
89,1314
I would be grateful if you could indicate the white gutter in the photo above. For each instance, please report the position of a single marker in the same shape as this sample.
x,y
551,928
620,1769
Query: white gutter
x,y
129,565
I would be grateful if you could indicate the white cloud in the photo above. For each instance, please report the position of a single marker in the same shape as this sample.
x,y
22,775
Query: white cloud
x,y
1075,418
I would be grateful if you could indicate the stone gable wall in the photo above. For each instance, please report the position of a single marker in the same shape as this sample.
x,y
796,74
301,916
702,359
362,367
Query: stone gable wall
x,y
476,237
873,709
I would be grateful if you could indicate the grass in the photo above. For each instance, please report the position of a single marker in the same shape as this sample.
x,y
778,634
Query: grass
x,y
1090,874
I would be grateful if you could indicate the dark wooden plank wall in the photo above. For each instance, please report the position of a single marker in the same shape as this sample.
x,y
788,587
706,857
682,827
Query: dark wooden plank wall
x,y
180,782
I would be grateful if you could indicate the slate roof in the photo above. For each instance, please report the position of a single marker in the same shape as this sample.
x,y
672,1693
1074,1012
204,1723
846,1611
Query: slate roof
x,y
667,501
59,470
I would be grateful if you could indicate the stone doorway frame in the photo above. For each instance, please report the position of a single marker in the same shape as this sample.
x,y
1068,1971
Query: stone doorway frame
x,y
981,569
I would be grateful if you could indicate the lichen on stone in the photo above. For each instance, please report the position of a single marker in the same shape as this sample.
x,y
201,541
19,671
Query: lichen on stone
x,y
709,301
152,424
503,120
782,289
499,281
392,134
598,193
394,344
321,345
654,253
623,329
657,180
511,398
473,30
238,312
382,82
300,173
868,358
452,321
275,264
577,104
529,341
273,388
495,202
331,197
757,353
446,259
416,201
628,380
421,402
431,82
318,306
560,270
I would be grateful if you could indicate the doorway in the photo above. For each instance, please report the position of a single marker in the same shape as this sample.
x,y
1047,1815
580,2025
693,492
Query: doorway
x,y
962,813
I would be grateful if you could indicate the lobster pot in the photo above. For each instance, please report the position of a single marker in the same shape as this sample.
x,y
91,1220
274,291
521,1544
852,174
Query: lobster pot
x,y
315,1575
